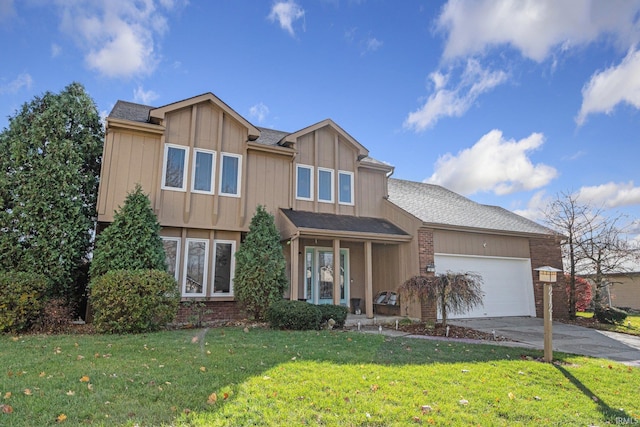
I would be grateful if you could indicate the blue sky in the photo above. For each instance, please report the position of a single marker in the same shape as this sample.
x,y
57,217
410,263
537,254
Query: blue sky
x,y
506,102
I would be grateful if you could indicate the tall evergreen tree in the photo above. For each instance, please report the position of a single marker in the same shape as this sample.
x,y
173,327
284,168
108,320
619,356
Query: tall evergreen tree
x,y
132,241
260,276
49,168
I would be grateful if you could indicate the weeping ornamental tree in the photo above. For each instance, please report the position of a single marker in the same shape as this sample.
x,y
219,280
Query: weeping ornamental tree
x,y
132,241
454,293
49,168
260,276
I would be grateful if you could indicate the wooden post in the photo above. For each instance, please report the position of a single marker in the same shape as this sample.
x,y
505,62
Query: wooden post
x,y
548,325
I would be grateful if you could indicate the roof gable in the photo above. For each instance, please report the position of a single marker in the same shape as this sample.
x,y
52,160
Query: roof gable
x,y
293,137
160,112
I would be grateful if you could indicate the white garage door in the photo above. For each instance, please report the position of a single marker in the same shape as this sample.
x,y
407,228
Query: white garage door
x,y
507,284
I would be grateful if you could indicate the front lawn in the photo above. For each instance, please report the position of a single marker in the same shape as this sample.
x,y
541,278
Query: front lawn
x,y
631,324
229,377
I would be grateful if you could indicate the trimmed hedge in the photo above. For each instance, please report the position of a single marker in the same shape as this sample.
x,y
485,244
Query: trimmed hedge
x,y
295,315
21,300
335,312
610,315
133,301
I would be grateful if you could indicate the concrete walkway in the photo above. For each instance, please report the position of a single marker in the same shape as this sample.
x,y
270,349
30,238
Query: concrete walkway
x,y
566,338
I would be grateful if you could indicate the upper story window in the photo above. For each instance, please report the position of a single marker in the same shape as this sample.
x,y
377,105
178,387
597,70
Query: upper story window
x,y
203,171
325,185
230,174
345,188
304,182
174,173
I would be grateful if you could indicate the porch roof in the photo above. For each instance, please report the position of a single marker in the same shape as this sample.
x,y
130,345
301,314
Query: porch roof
x,y
344,226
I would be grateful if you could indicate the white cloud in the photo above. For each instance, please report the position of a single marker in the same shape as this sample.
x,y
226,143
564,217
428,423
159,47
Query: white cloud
x,y
259,112
454,102
144,97
371,44
56,49
611,194
118,37
535,207
23,80
608,88
534,28
286,13
494,164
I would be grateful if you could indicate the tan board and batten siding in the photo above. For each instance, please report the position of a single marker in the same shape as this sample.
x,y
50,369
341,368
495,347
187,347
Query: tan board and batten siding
x,y
480,244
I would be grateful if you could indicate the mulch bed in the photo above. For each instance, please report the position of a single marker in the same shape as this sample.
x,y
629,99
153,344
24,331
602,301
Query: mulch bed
x,y
454,332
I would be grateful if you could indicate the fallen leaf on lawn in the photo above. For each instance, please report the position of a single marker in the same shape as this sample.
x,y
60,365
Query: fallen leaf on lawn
x,y
293,358
71,393
212,398
27,392
61,418
537,397
208,351
84,379
464,371
374,387
6,409
7,395
266,378
203,369
426,409
463,401
512,396
595,399
42,374
80,357
225,396
246,330
90,386
194,339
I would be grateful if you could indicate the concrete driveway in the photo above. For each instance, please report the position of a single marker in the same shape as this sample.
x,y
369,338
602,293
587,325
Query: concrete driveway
x,y
566,338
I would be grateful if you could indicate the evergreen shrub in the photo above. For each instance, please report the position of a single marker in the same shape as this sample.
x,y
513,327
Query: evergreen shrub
x,y
294,315
21,300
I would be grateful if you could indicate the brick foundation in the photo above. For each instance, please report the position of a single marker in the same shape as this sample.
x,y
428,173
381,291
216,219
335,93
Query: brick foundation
x,y
546,251
204,312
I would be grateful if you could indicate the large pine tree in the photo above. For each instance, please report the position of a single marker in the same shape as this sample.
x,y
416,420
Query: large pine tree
x,y
49,168
260,276
132,241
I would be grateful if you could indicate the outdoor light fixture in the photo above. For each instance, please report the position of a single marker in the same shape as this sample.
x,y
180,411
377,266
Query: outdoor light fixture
x,y
431,268
548,276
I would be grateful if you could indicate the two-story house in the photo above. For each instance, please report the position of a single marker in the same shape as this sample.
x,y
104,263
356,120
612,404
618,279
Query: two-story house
x,y
206,169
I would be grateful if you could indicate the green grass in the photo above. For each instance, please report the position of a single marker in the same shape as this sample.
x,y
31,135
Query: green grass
x,y
625,328
264,377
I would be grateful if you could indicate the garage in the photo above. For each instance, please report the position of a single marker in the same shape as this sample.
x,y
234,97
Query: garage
x,y
508,286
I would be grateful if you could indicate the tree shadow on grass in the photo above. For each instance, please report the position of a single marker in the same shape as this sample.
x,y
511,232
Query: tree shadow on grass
x,y
612,415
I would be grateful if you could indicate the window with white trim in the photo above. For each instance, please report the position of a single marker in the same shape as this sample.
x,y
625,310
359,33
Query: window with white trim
x,y
174,171
224,267
304,182
325,185
172,254
231,165
194,283
203,171
345,188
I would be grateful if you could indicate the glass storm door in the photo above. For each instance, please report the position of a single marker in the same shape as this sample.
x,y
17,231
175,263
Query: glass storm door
x,y
320,276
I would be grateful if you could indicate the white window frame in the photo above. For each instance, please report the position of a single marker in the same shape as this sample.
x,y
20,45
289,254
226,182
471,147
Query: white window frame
x,y
232,267
193,170
332,185
177,266
184,167
238,177
351,176
205,269
311,181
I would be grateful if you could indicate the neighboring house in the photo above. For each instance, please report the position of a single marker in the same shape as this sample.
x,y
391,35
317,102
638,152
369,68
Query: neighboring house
x,y
206,169
623,290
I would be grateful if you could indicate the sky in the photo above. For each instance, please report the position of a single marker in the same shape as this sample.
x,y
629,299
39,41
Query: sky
x,y
510,103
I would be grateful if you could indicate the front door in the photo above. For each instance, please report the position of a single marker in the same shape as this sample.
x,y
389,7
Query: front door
x,y
320,275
